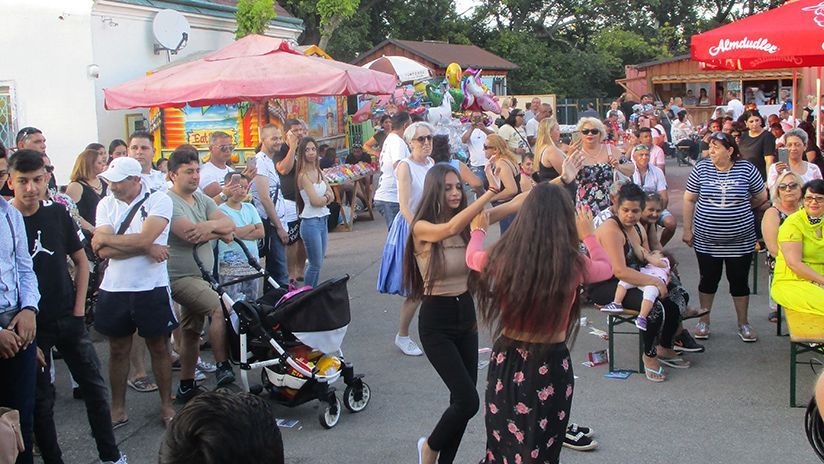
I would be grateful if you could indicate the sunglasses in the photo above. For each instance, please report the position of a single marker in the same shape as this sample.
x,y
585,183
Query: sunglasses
x,y
226,148
423,138
788,187
814,199
487,147
591,131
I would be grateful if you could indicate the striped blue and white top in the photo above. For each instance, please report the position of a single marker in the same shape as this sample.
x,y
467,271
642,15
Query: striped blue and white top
x,y
724,224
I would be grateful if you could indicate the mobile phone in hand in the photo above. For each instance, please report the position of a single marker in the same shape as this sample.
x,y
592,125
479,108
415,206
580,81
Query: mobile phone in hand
x,y
251,163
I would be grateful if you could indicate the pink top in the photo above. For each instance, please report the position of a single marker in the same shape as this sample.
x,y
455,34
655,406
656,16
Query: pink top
x,y
659,272
596,268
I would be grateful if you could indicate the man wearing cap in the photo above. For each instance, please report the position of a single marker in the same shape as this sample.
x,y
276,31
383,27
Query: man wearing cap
x,y
132,232
141,148
52,238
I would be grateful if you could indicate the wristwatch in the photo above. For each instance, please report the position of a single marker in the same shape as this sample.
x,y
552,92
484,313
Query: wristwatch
x,y
222,196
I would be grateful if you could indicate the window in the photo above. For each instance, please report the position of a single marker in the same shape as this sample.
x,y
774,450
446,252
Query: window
x,y
8,126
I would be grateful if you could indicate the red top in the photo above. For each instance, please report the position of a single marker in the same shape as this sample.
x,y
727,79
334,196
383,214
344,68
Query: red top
x,y
596,269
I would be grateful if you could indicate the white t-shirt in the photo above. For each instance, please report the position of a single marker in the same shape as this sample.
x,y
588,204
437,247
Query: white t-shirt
x,y
417,176
532,127
514,138
266,168
653,181
737,108
138,273
477,156
394,150
812,173
155,181
209,174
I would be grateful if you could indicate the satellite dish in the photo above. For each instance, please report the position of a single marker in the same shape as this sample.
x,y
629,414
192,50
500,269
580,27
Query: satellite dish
x,y
171,31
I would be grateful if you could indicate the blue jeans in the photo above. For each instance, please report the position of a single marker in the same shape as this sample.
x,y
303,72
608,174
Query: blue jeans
x,y
275,255
315,234
17,390
388,210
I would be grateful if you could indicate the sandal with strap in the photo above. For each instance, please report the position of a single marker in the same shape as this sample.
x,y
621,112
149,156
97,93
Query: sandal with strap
x,y
142,385
677,362
655,375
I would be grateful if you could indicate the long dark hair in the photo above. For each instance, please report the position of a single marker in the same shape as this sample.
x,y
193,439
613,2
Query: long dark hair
x,y
529,270
440,149
434,209
299,167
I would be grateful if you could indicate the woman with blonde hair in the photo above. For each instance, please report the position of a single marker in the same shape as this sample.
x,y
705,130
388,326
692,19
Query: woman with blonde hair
x,y
600,164
85,188
502,172
550,157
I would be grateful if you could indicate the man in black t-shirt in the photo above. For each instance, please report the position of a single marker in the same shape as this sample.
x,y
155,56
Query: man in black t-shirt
x,y
285,163
52,237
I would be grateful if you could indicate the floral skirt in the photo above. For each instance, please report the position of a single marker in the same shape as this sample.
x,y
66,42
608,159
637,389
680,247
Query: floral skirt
x,y
528,397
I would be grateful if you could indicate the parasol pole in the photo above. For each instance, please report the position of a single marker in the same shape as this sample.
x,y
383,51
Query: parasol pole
x,y
818,107
795,90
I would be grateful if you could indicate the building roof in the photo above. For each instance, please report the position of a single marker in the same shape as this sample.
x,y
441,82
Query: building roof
x,y
442,54
217,8
648,64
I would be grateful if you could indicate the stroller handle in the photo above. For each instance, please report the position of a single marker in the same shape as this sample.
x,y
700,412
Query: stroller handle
x,y
251,260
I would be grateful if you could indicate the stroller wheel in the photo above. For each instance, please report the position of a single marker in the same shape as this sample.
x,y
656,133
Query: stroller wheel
x,y
329,414
355,400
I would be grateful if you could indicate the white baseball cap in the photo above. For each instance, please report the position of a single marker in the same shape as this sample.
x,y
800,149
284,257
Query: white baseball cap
x,y
121,168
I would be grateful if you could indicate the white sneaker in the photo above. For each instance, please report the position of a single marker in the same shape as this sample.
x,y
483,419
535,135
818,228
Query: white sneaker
x,y
122,460
205,366
408,346
199,375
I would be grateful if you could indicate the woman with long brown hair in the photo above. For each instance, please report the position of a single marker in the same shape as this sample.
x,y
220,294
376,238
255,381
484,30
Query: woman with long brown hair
x,y
435,272
528,294
85,188
315,195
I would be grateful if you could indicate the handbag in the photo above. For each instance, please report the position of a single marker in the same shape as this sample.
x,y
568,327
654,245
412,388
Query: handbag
x,y
11,437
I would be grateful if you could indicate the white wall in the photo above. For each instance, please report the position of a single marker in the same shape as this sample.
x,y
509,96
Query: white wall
x,y
46,49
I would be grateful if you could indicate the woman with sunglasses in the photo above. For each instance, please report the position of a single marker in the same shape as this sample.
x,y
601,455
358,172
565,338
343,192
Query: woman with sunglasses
x,y
410,173
720,225
786,199
502,172
600,163
795,141
798,281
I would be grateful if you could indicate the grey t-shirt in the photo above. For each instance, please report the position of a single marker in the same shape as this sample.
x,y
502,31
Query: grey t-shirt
x,y
181,262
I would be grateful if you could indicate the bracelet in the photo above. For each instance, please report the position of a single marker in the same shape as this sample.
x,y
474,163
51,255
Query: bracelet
x,y
481,229
494,190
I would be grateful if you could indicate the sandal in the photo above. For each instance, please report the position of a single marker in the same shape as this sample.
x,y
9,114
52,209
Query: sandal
x,y
773,316
677,362
692,313
654,375
117,424
142,385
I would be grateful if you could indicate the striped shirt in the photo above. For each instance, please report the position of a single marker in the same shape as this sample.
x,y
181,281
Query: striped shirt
x,y
724,224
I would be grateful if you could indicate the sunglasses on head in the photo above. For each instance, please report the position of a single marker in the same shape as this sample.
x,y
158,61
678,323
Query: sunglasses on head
x,y
591,131
726,139
27,131
423,138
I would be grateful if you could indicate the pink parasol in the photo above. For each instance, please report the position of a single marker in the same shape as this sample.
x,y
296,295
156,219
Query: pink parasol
x,y
253,68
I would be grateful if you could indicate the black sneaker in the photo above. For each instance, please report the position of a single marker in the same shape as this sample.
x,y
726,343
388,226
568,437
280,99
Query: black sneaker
x,y
574,428
685,343
76,393
224,375
183,395
579,441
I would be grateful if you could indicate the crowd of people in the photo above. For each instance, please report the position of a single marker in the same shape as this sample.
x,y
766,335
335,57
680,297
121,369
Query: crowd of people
x,y
580,220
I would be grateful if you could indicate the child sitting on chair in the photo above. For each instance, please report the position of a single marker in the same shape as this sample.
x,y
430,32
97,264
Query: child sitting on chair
x,y
657,266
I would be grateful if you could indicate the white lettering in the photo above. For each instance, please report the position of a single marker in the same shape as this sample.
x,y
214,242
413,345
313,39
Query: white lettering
x,y
725,45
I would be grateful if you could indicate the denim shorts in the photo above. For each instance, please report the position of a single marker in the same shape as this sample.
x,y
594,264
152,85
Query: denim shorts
x,y
388,210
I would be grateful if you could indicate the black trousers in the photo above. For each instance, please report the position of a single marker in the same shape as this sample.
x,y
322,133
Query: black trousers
x,y
738,273
69,335
449,335
17,386
662,321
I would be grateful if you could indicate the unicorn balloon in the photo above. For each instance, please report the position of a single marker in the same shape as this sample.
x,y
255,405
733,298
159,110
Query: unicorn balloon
x,y
477,97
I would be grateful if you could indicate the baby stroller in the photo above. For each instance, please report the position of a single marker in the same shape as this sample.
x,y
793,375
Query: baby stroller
x,y
295,338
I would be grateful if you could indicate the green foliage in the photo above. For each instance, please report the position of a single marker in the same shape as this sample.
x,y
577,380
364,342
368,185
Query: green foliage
x,y
329,9
252,16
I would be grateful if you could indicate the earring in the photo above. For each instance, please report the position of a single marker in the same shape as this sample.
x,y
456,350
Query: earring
x,y
437,209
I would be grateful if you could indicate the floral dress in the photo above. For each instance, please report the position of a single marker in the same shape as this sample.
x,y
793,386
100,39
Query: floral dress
x,y
528,418
594,182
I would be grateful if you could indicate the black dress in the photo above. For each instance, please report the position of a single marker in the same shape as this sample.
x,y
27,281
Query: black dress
x,y
87,205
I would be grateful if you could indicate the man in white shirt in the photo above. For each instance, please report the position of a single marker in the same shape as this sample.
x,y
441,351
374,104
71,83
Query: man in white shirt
x,y
657,156
134,294
267,196
652,180
735,105
213,173
532,109
141,148
474,137
394,150
543,111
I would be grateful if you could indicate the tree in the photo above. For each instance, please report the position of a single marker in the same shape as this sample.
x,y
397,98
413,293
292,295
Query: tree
x,y
321,18
253,16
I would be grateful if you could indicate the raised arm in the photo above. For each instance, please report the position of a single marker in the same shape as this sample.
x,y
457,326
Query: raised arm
x,y
506,173
425,231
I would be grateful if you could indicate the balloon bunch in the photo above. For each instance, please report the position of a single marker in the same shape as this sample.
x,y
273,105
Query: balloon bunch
x,y
466,90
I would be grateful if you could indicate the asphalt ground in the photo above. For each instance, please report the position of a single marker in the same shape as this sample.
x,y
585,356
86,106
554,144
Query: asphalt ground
x,y
730,406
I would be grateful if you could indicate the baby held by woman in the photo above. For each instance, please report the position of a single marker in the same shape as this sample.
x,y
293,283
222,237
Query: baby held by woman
x,y
658,266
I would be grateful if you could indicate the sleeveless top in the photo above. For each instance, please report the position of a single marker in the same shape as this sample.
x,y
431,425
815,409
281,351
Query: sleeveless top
x,y
771,259
453,281
87,205
547,173
310,211
417,174
633,261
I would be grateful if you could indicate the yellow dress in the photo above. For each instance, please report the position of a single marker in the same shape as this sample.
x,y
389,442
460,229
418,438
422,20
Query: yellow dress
x,y
788,289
